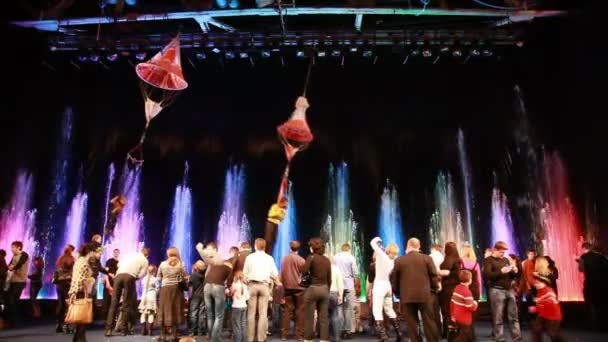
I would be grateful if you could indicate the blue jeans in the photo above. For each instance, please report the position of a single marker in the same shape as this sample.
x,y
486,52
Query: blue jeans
x,y
197,315
239,324
334,316
226,3
215,300
347,310
500,298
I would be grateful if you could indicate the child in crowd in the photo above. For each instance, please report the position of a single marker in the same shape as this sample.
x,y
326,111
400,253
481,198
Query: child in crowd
x,y
548,310
278,301
462,307
357,324
240,295
196,283
147,305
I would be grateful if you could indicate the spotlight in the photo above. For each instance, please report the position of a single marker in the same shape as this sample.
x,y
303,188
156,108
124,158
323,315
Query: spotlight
x,y
487,52
475,52
457,53
265,54
321,53
427,53
83,58
94,57
354,49
336,53
415,53
200,55
444,49
140,56
244,54
112,57
229,54
367,53
300,53
216,50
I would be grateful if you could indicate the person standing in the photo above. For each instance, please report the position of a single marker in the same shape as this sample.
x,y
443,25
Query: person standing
x,y
110,270
260,271
196,283
240,295
449,269
63,279
128,273
382,292
500,273
462,307
18,267
36,284
336,293
147,305
82,283
3,275
317,294
171,273
347,265
548,310
414,276
294,294
595,268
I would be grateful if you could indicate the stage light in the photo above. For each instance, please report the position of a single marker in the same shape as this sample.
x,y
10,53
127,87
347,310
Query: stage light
x,y
444,49
367,53
300,53
244,54
336,53
216,50
415,53
265,54
112,57
354,49
229,54
475,52
140,56
487,53
94,57
200,55
427,53
83,58
457,53
321,53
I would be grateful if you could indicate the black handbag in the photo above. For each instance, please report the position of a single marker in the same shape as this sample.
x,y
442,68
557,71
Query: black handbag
x,y
306,278
181,282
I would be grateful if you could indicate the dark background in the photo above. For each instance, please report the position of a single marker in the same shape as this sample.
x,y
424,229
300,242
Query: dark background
x,y
386,120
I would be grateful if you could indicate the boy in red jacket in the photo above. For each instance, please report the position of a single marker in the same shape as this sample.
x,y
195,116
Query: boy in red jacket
x,y
548,310
462,307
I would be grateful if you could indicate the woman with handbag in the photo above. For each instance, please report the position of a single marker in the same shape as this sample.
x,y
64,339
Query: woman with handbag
x,y
317,270
173,278
80,309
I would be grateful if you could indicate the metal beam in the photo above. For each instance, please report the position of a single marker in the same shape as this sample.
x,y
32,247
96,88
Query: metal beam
x,y
55,25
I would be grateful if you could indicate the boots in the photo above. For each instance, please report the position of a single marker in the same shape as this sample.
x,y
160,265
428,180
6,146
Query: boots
x,y
395,324
144,329
381,332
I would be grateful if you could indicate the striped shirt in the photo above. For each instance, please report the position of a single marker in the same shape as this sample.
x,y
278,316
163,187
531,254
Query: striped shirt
x,y
547,304
462,305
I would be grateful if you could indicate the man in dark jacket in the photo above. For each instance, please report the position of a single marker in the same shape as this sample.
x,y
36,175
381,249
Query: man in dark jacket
x,y
414,276
595,267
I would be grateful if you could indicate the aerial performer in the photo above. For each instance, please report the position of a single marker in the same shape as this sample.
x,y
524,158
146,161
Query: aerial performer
x,y
117,204
161,80
295,135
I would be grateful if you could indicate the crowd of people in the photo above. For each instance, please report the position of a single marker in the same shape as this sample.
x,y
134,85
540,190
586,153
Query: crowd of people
x,y
247,297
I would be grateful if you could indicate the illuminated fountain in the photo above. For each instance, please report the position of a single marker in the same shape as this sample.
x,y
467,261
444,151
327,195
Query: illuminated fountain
x,y
286,231
502,225
390,229
468,187
180,231
233,226
446,223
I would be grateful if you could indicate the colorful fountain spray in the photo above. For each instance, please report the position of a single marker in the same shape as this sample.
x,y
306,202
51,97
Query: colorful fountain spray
x,y
107,198
17,221
562,233
502,225
233,226
287,231
468,187
446,224
180,232
340,226
390,229
76,221
55,211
